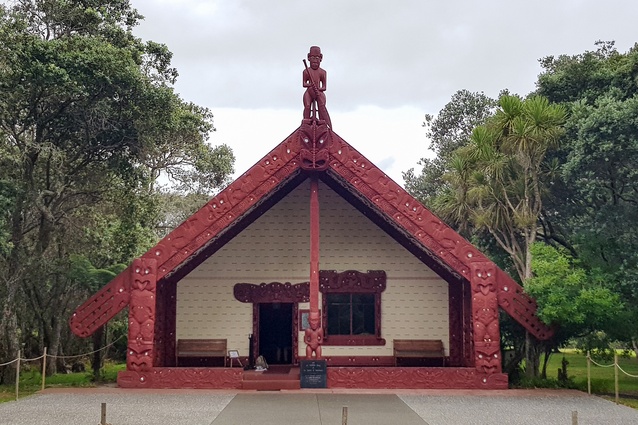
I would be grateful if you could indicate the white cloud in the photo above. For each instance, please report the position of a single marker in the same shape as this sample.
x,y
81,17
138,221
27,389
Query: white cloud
x,y
388,63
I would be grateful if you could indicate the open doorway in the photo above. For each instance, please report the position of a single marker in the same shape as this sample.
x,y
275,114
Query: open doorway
x,y
275,332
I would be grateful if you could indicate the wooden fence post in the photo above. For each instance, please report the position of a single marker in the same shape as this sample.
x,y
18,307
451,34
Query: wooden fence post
x,y
18,376
616,374
103,415
44,367
588,373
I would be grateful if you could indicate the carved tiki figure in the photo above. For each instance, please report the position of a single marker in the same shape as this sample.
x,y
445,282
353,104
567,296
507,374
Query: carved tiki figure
x,y
315,81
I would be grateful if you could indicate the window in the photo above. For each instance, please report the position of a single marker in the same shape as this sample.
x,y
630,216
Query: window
x,y
350,314
352,307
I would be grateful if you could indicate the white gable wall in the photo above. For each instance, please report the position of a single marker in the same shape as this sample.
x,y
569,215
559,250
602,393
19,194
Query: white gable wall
x,y
276,248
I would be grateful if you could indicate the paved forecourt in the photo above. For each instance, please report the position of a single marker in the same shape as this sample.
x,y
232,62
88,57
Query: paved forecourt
x,y
370,407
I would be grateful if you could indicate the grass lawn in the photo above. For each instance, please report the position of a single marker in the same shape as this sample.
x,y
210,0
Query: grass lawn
x,y
31,381
602,378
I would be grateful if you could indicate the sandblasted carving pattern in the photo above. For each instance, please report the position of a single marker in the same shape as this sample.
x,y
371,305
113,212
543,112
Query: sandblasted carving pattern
x,y
295,337
468,339
487,351
255,332
314,141
274,292
141,327
159,336
352,281
171,325
520,306
414,377
102,306
222,378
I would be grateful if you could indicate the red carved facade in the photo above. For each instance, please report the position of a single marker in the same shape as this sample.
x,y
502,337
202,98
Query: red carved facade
x,y
160,377
487,337
141,326
414,377
477,286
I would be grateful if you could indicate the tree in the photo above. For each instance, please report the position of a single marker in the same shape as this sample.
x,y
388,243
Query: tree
x,y
79,100
497,182
448,131
172,144
597,195
570,295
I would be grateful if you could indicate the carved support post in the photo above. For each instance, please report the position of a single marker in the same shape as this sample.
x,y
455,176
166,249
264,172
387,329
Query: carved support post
x,y
141,329
314,334
455,308
468,334
487,346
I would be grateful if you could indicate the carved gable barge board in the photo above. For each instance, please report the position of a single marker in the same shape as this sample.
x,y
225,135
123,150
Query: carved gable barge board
x,y
238,226
254,186
437,239
261,181
351,175
406,240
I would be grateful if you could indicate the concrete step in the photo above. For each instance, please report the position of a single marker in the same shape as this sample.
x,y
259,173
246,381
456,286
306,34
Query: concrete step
x,y
271,384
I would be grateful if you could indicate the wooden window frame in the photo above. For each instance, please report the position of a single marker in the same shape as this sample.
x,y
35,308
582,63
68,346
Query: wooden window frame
x,y
353,282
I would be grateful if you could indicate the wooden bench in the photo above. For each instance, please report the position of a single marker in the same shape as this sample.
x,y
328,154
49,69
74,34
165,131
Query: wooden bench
x,y
201,349
418,349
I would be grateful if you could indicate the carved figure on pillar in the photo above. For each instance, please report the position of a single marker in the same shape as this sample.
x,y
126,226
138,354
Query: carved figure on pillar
x,y
487,350
315,81
313,337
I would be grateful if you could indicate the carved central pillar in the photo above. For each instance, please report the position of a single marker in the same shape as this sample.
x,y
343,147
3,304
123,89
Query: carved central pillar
x,y
313,336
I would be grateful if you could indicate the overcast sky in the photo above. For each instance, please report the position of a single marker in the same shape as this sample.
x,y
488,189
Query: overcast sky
x,y
388,62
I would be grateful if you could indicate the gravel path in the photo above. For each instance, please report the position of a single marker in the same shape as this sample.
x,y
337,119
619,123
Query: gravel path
x,y
122,409
528,410
202,407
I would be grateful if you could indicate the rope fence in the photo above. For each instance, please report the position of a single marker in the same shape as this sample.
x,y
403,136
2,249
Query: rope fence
x,y
616,367
44,358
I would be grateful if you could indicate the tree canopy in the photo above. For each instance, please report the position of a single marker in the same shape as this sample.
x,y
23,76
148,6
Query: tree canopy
x,y
89,121
552,178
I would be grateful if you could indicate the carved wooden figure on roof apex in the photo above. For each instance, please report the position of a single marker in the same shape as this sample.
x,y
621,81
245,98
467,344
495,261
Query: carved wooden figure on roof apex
x,y
315,81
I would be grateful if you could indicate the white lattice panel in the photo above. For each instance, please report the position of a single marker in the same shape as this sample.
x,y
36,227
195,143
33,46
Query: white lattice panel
x,y
275,248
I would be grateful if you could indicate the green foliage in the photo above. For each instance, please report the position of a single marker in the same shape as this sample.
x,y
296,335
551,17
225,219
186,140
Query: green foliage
x,y
569,295
594,203
88,122
31,381
497,182
448,131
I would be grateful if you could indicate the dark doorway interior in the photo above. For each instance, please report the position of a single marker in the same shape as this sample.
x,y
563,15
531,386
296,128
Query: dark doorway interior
x,y
275,332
